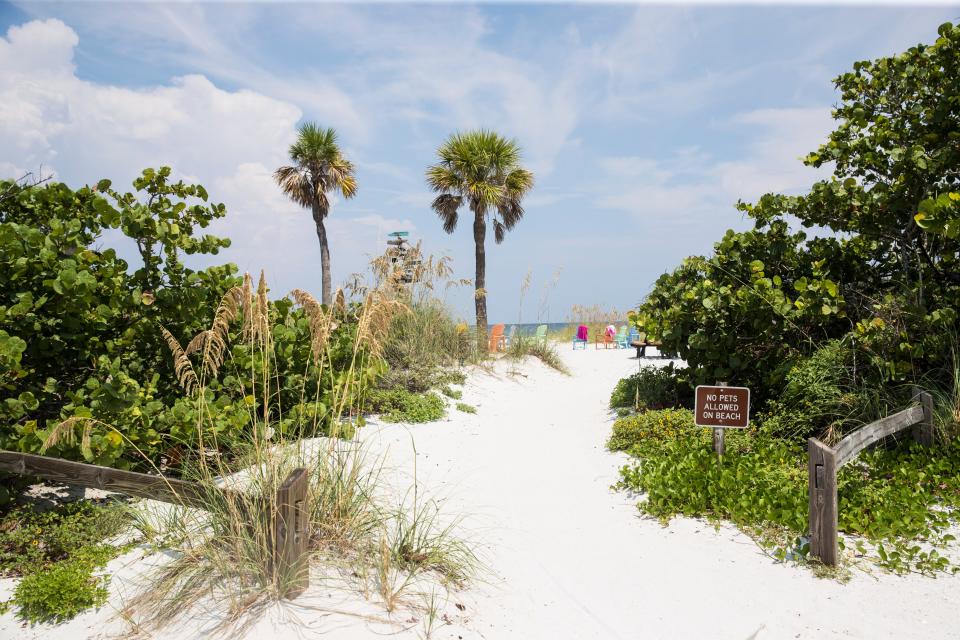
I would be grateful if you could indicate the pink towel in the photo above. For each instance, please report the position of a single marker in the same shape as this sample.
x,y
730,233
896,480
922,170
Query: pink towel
x,y
582,332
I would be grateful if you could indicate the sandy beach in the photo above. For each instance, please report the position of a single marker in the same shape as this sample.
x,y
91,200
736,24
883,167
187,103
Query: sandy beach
x,y
565,556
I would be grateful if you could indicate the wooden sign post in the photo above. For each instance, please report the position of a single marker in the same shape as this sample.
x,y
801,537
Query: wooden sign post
x,y
721,407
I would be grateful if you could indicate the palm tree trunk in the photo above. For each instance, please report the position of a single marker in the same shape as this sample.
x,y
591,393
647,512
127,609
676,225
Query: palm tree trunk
x,y
480,282
327,297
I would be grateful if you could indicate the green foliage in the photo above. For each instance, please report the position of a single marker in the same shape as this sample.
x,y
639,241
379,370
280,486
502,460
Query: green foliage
x,y
897,502
79,329
400,405
887,279
636,432
940,215
55,553
763,299
454,394
466,408
653,388
80,333
421,344
31,539
813,400
60,592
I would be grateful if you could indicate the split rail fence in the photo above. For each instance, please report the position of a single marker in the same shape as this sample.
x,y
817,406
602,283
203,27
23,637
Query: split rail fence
x,y
289,506
824,462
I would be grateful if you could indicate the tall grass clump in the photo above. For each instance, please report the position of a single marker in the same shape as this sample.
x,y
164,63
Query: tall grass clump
x,y
426,340
522,346
220,538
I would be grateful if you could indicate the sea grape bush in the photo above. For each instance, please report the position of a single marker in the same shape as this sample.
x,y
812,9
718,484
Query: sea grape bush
x,y
652,388
768,297
80,328
829,330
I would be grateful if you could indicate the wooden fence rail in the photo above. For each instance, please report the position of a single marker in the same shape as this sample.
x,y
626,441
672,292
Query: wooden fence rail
x,y
824,462
289,509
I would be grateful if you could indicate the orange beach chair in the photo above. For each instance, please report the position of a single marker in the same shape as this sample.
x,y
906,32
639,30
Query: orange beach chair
x,y
497,341
606,338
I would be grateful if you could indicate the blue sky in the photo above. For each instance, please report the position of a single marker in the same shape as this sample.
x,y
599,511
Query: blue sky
x,y
643,124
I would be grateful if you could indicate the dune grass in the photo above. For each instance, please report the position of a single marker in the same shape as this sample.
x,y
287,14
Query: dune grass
x,y
522,346
221,554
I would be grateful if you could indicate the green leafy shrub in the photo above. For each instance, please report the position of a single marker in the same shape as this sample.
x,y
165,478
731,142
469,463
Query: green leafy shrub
x,y
643,429
79,329
466,408
813,399
454,394
31,539
60,592
653,388
55,553
400,405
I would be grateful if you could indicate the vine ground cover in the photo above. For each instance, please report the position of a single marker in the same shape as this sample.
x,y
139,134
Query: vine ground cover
x,y
897,504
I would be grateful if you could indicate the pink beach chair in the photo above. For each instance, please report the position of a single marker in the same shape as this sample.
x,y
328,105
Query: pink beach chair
x,y
581,337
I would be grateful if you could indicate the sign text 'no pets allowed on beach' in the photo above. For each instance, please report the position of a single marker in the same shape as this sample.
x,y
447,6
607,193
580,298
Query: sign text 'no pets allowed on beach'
x,y
727,407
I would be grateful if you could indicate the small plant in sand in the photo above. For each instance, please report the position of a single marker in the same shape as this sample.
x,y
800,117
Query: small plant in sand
x,y
522,346
221,553
57,553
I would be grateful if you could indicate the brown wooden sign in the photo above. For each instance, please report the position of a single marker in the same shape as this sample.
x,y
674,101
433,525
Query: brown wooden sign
x,y
722,406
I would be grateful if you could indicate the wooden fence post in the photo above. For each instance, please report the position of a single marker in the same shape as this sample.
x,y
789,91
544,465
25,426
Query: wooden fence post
x,y
923,431
719,435
822,470
292,534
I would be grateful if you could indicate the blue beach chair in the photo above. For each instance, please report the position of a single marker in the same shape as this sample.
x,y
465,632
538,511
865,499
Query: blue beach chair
x,y
623,341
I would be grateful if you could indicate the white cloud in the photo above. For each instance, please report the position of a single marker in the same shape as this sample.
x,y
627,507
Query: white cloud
x,y
230,141
781,138
691,185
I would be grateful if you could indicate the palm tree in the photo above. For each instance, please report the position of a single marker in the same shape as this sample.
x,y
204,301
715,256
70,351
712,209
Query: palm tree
x,y
318,168
481,169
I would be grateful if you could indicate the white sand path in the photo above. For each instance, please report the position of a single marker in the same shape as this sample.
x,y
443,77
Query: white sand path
x,y
572,559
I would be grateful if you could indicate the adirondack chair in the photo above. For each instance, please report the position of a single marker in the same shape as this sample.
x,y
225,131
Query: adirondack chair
x,y
605,338
541,337
622,339
510,336
581,338
634,335
496,338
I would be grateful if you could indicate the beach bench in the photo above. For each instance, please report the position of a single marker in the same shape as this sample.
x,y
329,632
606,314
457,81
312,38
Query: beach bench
x,y
641,346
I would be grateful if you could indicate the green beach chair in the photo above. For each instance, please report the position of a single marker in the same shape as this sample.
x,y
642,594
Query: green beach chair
x,y
541,335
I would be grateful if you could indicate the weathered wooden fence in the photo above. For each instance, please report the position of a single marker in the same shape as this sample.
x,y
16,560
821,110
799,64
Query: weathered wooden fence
x,y
289,507
824,462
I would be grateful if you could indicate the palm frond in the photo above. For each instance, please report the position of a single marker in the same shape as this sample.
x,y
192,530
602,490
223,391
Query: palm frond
x,y
447,206
498,231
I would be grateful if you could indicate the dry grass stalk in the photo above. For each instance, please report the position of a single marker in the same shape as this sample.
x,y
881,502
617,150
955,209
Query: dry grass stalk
x,y
182,367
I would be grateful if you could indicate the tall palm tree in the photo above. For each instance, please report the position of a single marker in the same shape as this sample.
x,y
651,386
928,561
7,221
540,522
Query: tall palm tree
x,y
482,170
318,168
